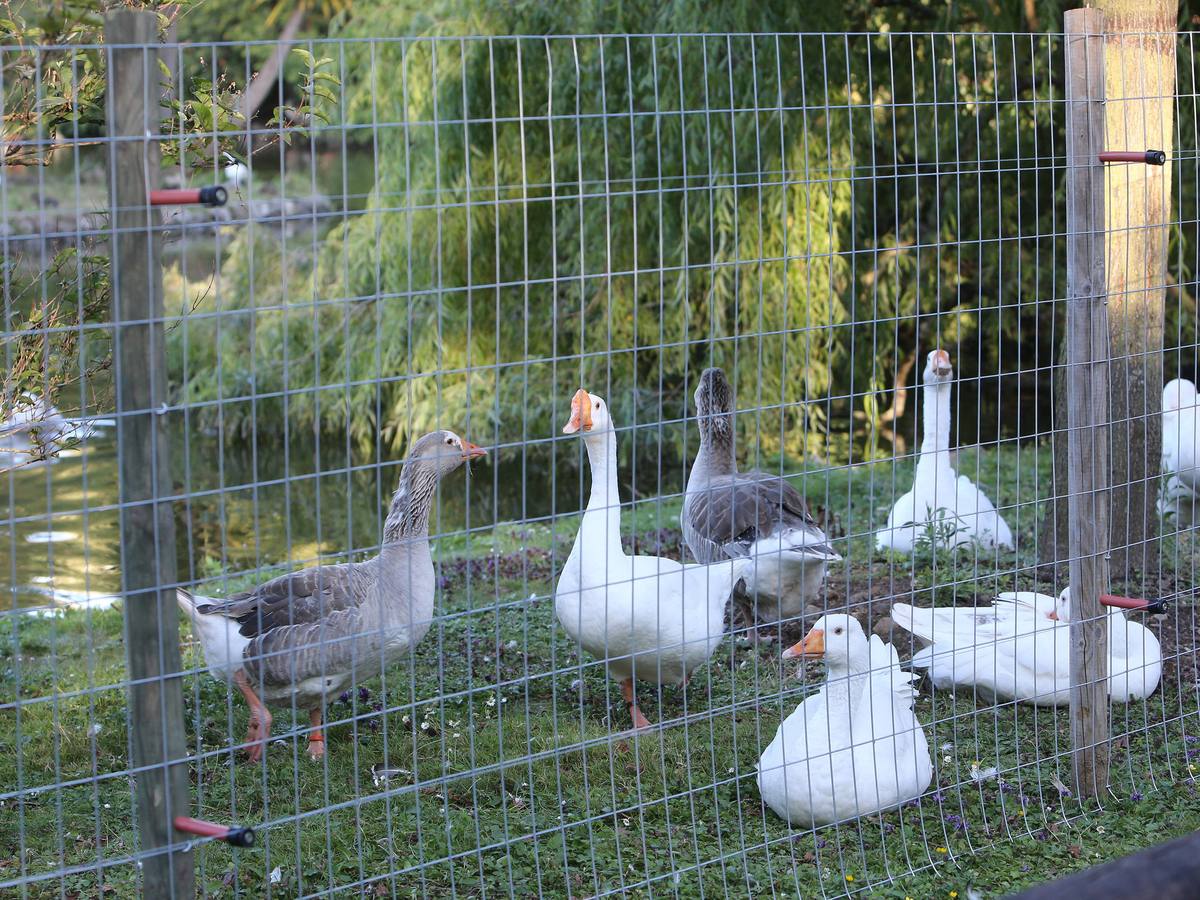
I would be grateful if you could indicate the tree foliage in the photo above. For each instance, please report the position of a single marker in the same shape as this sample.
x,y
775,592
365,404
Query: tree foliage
x,y
622,211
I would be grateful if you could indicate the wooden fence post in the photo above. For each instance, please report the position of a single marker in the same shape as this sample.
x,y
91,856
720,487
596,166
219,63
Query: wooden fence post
x,y
147,528
1087,396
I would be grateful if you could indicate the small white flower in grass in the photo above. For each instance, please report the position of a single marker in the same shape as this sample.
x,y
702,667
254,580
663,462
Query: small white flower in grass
x,y
511,645
946,747
1099,829
946,759
277,875
94,729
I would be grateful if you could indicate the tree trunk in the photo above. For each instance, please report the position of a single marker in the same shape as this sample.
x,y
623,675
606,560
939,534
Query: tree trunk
x,y
261,84
1140,87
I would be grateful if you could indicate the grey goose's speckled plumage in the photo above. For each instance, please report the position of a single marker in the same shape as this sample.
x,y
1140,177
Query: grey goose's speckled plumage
x,y
727,513
308,635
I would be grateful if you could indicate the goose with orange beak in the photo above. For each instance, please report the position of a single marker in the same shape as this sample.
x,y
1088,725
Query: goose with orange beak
x,y
855,747
1020,648
958,511
301,639
648,618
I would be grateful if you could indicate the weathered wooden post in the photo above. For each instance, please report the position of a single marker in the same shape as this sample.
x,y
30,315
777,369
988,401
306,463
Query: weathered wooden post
x,y
1087,396
1139,107
147,528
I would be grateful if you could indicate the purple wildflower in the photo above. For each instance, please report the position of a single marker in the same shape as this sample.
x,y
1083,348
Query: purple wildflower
x,y
1135,796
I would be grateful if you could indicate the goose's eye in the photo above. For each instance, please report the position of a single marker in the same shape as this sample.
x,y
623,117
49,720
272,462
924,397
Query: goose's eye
x,y
449,442
837,631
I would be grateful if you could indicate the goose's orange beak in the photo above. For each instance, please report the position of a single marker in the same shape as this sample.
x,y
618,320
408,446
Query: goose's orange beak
x,y
941,362
472,451
581,413
812,645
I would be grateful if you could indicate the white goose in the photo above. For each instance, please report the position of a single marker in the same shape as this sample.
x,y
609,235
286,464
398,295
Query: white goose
x,y
645,616
1019,648
1180,452
938,495
853,748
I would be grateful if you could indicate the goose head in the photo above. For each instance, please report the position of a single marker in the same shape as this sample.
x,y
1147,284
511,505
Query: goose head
x,y
441,452
1062,607
836,638
589,415
938,369
1178,394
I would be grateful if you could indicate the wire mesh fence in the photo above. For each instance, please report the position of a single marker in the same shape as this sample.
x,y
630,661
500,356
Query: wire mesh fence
x,y
789,309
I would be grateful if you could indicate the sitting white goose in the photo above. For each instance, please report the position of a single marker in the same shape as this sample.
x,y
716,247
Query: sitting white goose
x,y
305,636
728,514
1180,452
1019,648
959,511
853,748
645,616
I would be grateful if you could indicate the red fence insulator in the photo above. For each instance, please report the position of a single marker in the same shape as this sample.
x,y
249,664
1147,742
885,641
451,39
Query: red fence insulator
x,y
236,835
1149,157
213,195
1149,606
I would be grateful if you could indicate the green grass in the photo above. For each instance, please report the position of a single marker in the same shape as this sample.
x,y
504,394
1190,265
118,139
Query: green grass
x,y
506,778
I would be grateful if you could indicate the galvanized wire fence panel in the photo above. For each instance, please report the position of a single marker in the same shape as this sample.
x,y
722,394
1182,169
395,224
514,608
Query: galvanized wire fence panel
x,y
458,234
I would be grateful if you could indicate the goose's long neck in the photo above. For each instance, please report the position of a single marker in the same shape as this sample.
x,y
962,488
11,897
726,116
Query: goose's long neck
x,y
408,516
935,445
717,454
602,519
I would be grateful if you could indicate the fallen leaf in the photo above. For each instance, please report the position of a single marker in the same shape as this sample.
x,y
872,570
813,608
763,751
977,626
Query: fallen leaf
x,y
1075,850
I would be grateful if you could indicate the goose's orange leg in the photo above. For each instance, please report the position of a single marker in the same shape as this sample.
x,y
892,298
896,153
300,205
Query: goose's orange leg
x,y
316,737
260,718
639,721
